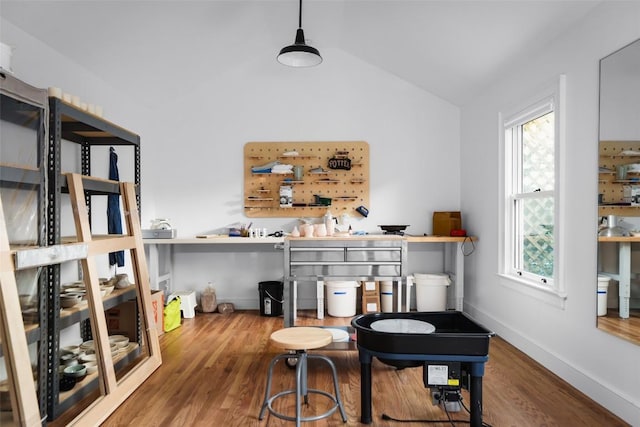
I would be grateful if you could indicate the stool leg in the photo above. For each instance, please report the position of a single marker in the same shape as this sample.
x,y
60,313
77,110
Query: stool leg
x,y
304,390
335,384
301,384
267,391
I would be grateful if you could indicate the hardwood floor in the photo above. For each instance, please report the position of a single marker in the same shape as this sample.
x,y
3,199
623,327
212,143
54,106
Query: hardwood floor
x,y
628,329
214,370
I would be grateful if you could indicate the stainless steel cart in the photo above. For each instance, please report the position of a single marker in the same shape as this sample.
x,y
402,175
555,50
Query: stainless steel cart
x,y
360,258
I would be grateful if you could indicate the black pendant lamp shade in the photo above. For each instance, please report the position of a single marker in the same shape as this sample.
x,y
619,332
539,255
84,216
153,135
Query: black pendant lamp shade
x,y
299,54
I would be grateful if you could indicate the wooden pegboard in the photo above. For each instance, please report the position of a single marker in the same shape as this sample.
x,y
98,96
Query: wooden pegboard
x,y
613,154
347,189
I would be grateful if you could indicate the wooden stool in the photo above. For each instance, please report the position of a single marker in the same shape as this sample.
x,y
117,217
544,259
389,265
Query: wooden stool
x,y
300,339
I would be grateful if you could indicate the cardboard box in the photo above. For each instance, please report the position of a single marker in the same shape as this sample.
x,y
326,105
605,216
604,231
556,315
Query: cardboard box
x,y
444,222
370,304
157,310
370,288
123,320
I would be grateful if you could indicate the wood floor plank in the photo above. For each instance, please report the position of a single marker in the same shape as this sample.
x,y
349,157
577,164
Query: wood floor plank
x,y
214,372
628,329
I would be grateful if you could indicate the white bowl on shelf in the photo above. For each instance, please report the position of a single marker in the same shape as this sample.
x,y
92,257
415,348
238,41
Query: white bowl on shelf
x,y
87,345
76,284
120,341
68,301
106,289
122,281
70,349
92,367
88,358
73,290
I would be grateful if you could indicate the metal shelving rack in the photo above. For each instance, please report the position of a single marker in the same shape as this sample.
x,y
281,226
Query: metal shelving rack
x,y
26,106
69,123
53,122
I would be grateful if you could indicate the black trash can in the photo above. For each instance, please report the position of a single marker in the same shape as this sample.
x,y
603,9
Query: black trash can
x,y
271,298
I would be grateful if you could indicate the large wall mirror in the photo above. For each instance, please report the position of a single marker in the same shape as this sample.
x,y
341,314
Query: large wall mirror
x,y
618,306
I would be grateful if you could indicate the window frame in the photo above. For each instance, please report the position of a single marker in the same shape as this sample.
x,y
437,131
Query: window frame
x,y
552,289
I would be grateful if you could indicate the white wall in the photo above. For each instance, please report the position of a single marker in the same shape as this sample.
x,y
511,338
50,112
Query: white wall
x,y
192,147
564,340
620,95
412,136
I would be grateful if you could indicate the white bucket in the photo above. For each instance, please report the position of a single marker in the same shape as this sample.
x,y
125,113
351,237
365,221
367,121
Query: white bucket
x,y
341,298
603,285
431,291
386,296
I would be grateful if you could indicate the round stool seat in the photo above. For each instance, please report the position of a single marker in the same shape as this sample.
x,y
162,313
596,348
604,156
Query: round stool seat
x,y
302,338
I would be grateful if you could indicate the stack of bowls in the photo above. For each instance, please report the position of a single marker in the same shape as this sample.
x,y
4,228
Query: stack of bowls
x,y
88,347
120,341
68,300
88,358
68,359
71,294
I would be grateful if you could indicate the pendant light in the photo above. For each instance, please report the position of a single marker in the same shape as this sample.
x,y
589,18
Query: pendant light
x,y
299,54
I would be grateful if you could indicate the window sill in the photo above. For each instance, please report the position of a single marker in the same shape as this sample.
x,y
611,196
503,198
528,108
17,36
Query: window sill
x,y
534,290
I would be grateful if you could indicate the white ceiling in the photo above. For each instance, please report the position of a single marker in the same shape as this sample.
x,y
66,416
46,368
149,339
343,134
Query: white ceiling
x,y
450,48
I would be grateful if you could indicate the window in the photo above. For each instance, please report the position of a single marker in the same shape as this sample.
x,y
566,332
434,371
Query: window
x,y
531,147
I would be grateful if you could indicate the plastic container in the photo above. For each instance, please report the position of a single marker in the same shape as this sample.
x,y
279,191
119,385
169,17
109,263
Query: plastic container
x,y
271,298
603,286
341,298
386,296
431,291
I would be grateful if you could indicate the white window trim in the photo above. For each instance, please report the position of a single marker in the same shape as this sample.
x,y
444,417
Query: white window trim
x,y
556,294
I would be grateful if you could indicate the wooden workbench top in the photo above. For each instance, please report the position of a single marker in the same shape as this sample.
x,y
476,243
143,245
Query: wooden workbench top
x,y
221,239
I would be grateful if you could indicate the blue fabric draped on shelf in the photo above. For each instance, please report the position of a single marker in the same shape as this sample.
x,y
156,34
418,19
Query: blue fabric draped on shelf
x,y
114,217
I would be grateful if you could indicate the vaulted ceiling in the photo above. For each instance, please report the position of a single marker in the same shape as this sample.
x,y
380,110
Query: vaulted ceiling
x,y
451,48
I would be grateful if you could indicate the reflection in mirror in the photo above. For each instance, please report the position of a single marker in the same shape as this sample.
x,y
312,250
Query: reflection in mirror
x,y
618,302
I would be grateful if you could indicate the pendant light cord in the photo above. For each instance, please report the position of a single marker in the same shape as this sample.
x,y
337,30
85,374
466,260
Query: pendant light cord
x,y
300,15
